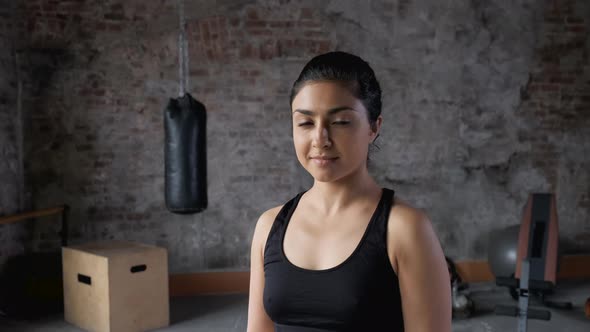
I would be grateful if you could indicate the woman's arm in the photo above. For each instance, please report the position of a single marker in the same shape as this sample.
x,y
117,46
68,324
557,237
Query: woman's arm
x,y
258,320
422,271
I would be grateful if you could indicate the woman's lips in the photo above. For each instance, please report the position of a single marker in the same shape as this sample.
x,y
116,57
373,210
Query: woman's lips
x,y
323,161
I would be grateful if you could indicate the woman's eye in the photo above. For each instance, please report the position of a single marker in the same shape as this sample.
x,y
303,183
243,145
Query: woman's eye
x,y
341,122
302,124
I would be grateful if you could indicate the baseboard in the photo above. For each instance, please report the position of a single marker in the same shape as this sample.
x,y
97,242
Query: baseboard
x,y
574,267
474,271
209,283
570,267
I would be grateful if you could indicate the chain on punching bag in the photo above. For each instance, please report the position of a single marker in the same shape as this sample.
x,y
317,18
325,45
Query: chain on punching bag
x,y
185,147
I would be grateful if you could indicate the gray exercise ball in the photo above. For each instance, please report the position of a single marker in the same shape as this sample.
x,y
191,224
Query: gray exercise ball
x,y
502,251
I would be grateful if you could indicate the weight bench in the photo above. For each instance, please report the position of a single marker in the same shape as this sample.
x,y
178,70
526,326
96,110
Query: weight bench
x,y
536,263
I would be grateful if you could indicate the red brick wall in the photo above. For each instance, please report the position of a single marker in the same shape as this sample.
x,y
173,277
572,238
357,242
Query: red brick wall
x,y
556,103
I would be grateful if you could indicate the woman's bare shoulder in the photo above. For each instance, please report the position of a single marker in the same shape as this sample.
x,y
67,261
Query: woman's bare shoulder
x,y
268,217
404,215
421,269
407,226
263,226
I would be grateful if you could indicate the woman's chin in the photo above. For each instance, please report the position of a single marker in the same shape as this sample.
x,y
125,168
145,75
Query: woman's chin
x,y
323,179
325,176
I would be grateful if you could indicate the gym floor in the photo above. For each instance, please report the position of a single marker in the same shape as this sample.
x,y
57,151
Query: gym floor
x,y
216,313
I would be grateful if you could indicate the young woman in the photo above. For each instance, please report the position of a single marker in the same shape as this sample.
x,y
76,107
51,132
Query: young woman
x,y
344,255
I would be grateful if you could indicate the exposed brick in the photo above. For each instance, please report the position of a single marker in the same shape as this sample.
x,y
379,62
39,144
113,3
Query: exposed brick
x,y
554,20
252,14
281,24
255,24
114,16
306,14
107,96
576,28
83,147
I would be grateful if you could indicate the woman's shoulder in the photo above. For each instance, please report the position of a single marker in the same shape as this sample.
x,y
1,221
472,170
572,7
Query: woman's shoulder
x,y
267,217
263,227
403,214
407,225
265,222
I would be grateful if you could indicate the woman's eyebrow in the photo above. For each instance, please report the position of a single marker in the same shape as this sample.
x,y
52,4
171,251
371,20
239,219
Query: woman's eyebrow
x,y
330,112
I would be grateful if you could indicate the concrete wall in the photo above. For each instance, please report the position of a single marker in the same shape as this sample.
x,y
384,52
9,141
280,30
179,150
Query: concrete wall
x,y
484,102
11,189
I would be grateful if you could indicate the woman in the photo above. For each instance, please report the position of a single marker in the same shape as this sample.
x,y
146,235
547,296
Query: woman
x,y
344,255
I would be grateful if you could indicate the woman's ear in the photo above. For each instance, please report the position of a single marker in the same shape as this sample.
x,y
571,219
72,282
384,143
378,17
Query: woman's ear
x,y
376,128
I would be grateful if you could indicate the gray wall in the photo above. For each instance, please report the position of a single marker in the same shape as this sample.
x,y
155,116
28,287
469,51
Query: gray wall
x,y
484,102
11,189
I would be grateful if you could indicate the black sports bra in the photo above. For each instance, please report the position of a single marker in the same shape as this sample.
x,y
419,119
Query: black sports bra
x,y
360,294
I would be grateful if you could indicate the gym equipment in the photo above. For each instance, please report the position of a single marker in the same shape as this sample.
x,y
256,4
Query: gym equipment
x,y
185,148
536,261
185,153
31,283
462,305
502,251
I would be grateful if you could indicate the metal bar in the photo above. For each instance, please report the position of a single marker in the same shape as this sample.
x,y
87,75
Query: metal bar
x,y
182,50
27,215
523,298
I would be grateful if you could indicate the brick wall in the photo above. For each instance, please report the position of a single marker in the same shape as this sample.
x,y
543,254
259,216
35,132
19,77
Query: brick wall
x,y
484,102
556,107
11,236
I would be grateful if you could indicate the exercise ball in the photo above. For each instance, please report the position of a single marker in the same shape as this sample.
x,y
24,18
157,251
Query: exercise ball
x,y
502,251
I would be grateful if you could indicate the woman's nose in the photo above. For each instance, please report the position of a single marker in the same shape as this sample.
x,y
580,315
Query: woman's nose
x,y
321,137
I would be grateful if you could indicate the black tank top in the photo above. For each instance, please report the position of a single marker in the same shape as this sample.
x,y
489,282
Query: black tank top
x,y
360,294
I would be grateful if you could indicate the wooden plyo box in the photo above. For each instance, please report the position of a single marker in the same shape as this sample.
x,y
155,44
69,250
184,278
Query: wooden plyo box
x,y
116,286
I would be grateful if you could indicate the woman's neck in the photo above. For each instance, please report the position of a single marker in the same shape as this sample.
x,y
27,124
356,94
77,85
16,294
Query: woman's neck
x,y
331,197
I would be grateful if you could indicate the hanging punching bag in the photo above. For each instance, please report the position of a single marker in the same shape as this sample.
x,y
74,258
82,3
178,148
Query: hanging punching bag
x,y
185,153
185,148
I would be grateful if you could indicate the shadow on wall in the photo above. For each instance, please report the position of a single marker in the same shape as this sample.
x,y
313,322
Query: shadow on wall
x,y
42,137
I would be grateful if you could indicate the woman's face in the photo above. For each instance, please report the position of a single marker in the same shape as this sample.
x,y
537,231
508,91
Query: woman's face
x,y
331,131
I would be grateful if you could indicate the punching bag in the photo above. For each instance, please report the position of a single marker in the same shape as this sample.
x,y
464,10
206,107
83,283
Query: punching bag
x,y
185,148
185,153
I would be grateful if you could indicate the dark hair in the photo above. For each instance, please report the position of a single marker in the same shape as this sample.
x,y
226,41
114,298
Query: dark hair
x,y
350,70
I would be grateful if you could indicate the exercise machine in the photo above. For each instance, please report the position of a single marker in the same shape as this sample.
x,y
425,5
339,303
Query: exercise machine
x,y
536,263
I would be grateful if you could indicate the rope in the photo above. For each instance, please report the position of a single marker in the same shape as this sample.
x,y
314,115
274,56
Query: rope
x,y
182,51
